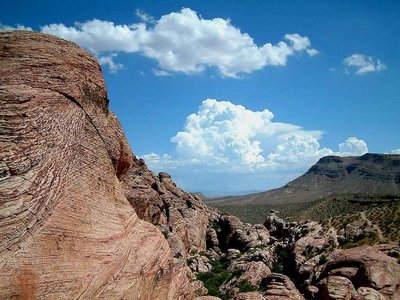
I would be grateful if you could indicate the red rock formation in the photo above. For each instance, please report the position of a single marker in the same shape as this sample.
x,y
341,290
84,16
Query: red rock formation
x,y
66,228
375,269
156,199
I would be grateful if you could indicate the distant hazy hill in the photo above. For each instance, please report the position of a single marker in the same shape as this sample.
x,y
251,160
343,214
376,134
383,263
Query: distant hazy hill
x,y
370,174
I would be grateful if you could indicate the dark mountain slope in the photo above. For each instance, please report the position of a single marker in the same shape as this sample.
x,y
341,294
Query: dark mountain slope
x,y
370,174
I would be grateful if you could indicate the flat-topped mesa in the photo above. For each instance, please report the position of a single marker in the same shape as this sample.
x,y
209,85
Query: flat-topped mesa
x,y
66,228
375,162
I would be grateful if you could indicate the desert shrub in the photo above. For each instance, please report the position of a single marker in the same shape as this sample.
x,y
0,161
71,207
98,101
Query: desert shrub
x,y
212,281
165,233
245,286
216,277
322,259
219,265
277,267
215,226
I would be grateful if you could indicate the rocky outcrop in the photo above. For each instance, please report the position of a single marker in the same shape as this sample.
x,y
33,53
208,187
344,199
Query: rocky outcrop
x,y
235,234
373,269
156,199
290,260
279,286
325,272
337,287
242,255
67,229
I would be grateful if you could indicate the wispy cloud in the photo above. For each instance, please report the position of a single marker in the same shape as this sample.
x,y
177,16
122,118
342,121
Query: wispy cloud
x,y
161,73
144,17
108,60
395,151
361,64
16,27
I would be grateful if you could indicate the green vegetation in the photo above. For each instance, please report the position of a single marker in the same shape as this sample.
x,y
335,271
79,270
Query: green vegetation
x,y
370,239
216,277
282,256
245,286
319,210
382,212
277,267
322,259
165,233
215,226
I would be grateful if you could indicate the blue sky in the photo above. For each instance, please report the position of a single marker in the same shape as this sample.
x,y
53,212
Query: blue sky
x,y
286,81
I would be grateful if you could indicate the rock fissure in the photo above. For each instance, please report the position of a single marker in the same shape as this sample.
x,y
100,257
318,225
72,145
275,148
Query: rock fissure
x,y
76,102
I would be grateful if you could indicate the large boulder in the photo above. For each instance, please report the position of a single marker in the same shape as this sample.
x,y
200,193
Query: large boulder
x,y
375,269
67,229
280,287
337,288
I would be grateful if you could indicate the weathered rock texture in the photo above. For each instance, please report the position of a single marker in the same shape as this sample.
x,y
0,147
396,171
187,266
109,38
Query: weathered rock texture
x,y
67,229
374,269
156,199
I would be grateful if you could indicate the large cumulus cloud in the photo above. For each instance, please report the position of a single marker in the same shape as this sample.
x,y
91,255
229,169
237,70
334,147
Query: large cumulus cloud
x,y
225,138
184,42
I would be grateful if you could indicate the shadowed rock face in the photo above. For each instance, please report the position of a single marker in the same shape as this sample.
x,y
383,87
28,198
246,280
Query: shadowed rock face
x,y
66,228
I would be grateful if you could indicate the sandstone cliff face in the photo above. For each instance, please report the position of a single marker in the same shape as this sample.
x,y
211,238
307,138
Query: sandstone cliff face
x,y
67,231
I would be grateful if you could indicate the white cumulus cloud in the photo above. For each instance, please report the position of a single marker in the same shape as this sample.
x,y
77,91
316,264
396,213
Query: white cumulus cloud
x,y
353,146
185,42
247,148
362,64
228,137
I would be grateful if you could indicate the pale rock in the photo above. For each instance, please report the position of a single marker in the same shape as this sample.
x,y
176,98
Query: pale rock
x,y
366,293
337,288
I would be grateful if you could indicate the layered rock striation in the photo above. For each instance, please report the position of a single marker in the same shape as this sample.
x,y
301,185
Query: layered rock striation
x,y
67,229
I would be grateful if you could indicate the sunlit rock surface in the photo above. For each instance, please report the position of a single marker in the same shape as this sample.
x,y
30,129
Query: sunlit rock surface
x,y
67,231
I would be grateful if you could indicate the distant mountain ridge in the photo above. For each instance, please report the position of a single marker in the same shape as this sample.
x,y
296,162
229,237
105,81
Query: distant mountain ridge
x,y
369,174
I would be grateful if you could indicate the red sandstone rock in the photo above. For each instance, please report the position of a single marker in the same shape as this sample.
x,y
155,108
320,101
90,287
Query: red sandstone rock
x,y
67,229
279,287
249,296
156,199
375,269
366,293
